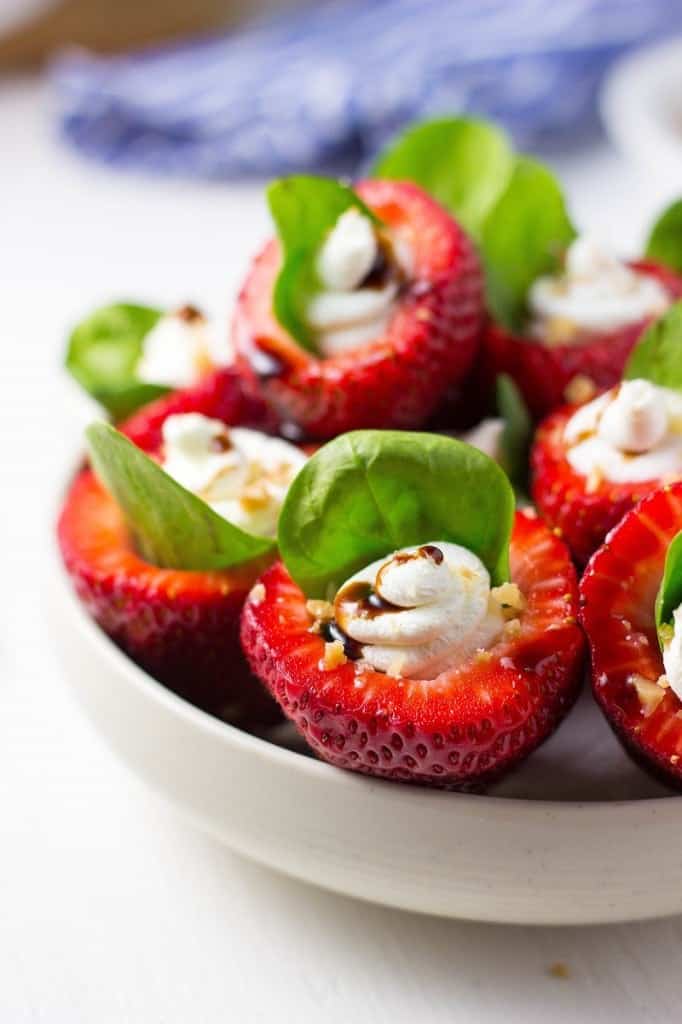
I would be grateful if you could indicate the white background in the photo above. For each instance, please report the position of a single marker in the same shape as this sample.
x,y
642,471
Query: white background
x,y
110,908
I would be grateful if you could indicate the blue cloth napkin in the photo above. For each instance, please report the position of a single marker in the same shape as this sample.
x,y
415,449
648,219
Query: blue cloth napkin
x,y
325,87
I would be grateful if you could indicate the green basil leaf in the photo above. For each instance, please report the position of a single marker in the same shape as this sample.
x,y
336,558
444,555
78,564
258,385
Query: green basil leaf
x,y
103,353
517,432
669,596
462,162
665,241
371,492
304,208
658,355
524,236
172,527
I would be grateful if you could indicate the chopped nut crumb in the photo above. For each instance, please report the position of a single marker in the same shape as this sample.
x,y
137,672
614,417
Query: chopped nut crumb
x,y
666,632
512,628
594,480
483,656
580,389
509,597
334,656
255,496
397,665
559,970
559,330
650,694
321,610
257,594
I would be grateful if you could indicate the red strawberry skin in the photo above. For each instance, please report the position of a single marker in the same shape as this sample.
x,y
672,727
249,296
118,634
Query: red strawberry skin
x,y
617,595
583,514
399,379
223,394
543,372
182,627
465,729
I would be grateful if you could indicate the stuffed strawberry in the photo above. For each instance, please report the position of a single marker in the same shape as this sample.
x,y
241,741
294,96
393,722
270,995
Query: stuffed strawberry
x,y
564,312
581,320
631,598
364,309
417,628
126,355
220,395
163,556
591,464
582,325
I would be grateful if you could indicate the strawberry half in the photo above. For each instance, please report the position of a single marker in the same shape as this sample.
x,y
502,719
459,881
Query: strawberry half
x,y
221,395
617,595
182,627
399,379
465,727
584,510
544,373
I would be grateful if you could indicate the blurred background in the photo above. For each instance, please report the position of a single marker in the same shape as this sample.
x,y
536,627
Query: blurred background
x,y
135,138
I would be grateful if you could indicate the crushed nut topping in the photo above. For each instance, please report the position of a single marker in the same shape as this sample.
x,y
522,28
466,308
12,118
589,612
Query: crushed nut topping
x,y
650,694
509,598
594,480
322,611
580,389
397,665
334,656
512,628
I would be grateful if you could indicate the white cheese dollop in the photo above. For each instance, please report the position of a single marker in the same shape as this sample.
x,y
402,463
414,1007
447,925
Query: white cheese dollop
x,y
344,314
242,474
595,292
672,655
438,613
629,434
181,348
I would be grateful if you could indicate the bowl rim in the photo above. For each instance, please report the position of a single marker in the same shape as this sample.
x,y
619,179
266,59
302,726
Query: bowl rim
x,y
632,120
90,632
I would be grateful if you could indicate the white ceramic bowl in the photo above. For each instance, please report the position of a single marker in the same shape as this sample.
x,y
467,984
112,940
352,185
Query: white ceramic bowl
x,y
490,858
641,104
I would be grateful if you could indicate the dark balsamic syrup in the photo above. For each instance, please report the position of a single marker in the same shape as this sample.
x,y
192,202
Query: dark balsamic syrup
x,y
364,601
190,314
331,631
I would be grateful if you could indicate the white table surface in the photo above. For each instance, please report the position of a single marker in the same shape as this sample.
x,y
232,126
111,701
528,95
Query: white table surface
x,y
111,909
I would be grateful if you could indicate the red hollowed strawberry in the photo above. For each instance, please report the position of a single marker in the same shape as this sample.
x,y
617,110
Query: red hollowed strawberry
x,y
182,627
467,725
591,464
426,344
618,596
126,355
583,508
164,571
496,669
551,373
222,395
